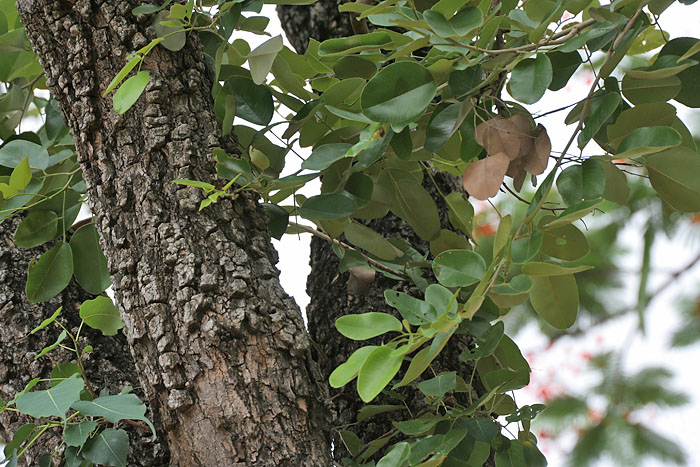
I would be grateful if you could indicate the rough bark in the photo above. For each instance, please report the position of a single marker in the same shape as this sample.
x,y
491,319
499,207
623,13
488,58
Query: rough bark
x,y
220,349
108,367
320,21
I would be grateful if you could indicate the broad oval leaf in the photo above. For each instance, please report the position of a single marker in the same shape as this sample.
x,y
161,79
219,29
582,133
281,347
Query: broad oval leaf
x,y
674,175
37,228
89,262
530,79
324,156
253,102
115,408
100,313
399,93
581,182
369,240
328,206
52,402
524,249
459,268
366,325
14,152
109,447
566,242
555,299
129,92
347,371
482,179
648,140
51,274
378,370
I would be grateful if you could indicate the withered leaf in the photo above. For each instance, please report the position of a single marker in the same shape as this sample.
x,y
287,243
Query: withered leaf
x,y
535,161
483,178
522,122
499,135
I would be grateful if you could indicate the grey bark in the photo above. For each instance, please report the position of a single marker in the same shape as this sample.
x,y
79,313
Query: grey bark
x,y
220,349
108,367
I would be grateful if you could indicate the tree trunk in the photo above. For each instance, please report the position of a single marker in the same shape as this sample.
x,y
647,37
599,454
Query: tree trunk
x,y
327,289
220,349
109,366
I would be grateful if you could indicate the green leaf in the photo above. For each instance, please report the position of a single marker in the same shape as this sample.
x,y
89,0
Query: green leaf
x,y
89,262
690,77
464,21
63,371
396,456
47,321
378,370
536,269
21,175
52,402
399,93
18,438
207,187
51,274
524,249
126,69
262,57
76,435
253,102
36,229
328,206
502,234
648,140
14,152
673,174
555,299
369,240
414,204
459,268
439,385
463,82
61,337
324,156
353,44
278,219
109,447
581,182
129,92
366,325
564,65
369,411
347,371
530,79
461,212
601,109
565,242
413,310
100,313
172,33
115,408
149,8
645,91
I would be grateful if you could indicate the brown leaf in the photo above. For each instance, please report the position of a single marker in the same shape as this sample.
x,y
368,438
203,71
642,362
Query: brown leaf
x,y
360,279
536,160
499,135
522,122
483,178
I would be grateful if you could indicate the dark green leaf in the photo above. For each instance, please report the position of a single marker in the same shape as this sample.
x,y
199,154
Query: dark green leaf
x,y
115,408
564,65
673,174
399,93
328,206
324,156
530,79
278,218
76,435
37,228
51,274
109,447
89,263
253,102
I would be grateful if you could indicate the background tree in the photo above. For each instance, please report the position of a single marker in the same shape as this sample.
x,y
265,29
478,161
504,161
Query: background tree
x,y
198,289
